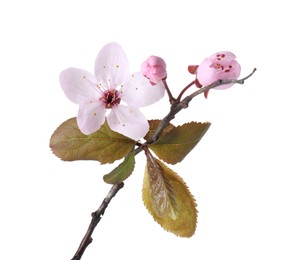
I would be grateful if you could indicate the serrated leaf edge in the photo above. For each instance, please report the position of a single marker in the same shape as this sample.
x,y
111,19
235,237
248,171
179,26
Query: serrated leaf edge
x,y
180,179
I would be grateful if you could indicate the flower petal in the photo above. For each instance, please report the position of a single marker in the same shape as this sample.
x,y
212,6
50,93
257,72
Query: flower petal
x,y
139,92
224,57
91,115
111,65
128,121
233,74
205,74
78,84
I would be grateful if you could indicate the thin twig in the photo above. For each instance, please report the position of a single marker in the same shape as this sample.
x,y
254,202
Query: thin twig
x,y
185,102
96,217
170,96
219,83
184,90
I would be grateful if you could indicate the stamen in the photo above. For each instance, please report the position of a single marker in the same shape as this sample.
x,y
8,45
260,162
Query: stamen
x,y
228,69
220,56
111,98
109,83
102,87
217,66
116,114
97,87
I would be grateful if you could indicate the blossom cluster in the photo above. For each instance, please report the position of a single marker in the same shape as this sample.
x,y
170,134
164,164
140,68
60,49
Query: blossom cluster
x,y
116,95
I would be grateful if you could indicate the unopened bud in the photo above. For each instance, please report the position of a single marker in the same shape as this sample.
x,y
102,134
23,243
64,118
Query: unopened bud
x,y
154,68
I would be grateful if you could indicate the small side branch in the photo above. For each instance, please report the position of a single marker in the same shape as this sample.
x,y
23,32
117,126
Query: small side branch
x,y
170,96
96,217
175,108
216,84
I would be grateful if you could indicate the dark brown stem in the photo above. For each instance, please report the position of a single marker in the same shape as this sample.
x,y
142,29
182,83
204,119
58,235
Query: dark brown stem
x,y
184,90
96,217
170,96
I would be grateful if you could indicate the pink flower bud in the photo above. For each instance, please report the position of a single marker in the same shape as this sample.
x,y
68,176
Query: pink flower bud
x,y
154,68
221,65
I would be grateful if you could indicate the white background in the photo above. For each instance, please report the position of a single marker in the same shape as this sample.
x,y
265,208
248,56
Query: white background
x,y
239,173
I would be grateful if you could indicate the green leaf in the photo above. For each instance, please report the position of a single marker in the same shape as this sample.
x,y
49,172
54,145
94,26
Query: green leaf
x,y
153,124
105,145
168,199
123,171
174,145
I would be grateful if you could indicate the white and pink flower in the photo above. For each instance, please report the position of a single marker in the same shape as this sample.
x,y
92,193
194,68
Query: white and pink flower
x,y
111,90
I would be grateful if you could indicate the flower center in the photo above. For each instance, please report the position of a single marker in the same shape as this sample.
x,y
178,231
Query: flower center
x,y
111,98
220,64
220,68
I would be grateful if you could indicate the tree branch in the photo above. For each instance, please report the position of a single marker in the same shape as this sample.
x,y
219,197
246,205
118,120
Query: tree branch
x,y
175,108
96,217
216,84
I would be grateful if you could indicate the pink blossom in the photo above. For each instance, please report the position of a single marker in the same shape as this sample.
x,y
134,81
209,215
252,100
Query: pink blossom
x,y
154,68
221,65
111,90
